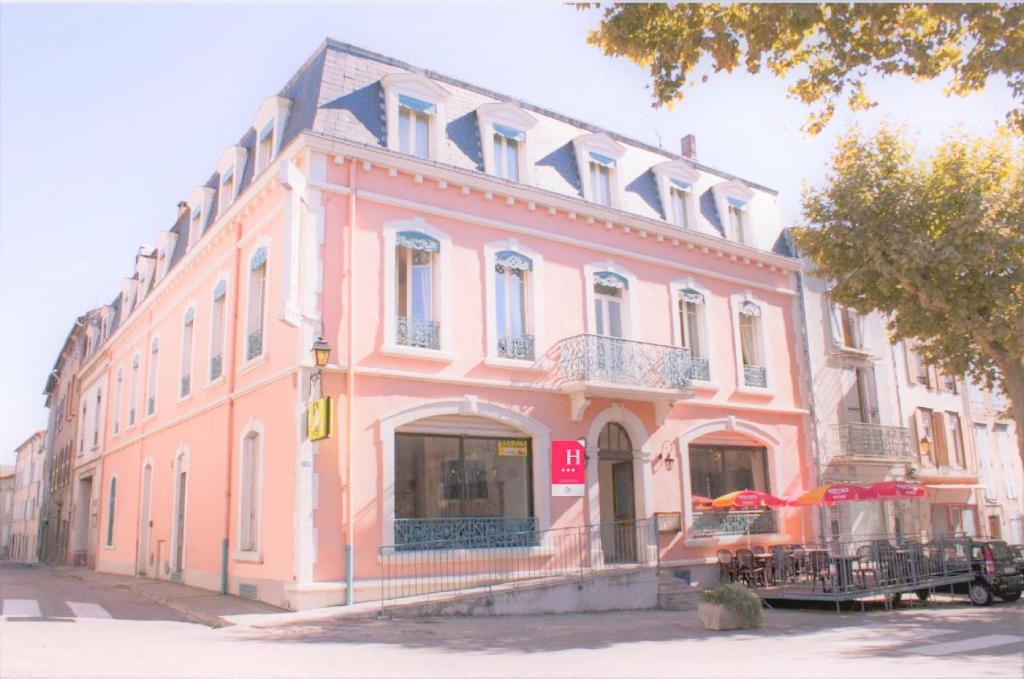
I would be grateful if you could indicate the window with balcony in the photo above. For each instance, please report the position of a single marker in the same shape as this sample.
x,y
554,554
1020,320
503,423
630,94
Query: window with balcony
x,y
118,390
751,345
861,395
133,391
416,263
692,330
217,328
187,340
96,418
154,356
257,311
512,299
610,292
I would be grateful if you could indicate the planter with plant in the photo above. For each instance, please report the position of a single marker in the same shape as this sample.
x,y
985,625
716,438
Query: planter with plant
x,y
729,605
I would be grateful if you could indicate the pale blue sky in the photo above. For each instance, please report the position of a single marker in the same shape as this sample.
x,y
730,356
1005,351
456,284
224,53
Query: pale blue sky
x,y
109,115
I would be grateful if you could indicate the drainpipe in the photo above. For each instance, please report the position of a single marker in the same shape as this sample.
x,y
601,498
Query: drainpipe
x,y
350,383
230,368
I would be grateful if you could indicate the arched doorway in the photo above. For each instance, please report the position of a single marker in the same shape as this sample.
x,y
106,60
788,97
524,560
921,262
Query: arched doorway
x,y
618,499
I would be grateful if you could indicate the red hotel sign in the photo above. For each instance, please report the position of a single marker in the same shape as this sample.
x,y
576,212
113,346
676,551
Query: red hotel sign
x,y
568,463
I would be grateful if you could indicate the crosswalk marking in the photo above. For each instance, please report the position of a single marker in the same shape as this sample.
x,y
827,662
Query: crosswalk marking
x,y
21,608
973,644
86,610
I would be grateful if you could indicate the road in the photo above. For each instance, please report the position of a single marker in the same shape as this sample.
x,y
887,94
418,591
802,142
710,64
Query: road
x,y
84,629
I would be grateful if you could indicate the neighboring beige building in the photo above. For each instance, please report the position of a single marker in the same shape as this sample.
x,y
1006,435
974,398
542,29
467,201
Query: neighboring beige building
x,y
1000,501
6,506
28,491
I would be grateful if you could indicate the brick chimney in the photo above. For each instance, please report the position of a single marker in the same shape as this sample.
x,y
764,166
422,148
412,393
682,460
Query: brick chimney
x,y
182,207
689,147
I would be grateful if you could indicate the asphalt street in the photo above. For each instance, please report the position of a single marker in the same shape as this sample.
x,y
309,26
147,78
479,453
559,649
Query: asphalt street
x,y
52,625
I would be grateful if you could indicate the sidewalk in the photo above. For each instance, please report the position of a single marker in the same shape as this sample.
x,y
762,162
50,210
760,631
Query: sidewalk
x,y
197,604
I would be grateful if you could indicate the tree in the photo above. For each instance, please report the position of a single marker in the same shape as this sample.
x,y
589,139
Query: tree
x,y
831,48
936,244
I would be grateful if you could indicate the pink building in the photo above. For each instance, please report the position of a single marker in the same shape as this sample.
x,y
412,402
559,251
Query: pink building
x,y
491,276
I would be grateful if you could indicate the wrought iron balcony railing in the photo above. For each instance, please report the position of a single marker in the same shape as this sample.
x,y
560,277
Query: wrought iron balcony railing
x,y
465,533
216,366
755,376
585,358
707,524
516,346
255,345
875,441
411,332
701,369
186,385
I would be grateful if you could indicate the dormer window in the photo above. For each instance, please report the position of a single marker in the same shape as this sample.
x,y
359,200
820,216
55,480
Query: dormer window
x,y
677,181
269,126
165,246
412,111
230,167
733,202
503,131
201,204
597,157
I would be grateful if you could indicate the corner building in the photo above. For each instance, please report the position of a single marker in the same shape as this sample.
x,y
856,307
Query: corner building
x,y
491,276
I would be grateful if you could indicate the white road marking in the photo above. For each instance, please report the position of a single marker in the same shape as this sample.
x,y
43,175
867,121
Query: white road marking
x,y
974,644
21,608
84,610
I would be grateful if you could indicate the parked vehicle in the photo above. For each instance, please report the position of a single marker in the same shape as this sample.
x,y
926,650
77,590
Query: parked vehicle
x,y
996,573
1018,557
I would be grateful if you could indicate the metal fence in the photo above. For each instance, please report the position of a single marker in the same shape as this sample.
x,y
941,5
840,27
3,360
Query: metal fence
x,y
733,522
610,359
876,441
448,565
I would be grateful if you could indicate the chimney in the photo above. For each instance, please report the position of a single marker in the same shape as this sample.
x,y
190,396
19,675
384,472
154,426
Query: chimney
x,y
183,207
689,147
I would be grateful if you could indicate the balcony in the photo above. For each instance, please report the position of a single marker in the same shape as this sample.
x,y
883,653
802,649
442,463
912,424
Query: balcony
x,y
254,347
714,524
755,376
700,369
412,332
516,346
874,442
593,365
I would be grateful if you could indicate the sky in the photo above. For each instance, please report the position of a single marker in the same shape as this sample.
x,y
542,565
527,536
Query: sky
x,y
111,114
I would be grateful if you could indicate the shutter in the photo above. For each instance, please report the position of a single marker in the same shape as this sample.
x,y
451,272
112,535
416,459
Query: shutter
x,y
861,335
871,394
908,362
836,317
939,433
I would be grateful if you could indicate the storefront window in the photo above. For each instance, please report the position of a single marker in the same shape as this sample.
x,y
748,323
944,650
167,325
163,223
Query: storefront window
x,y
716,470
461,488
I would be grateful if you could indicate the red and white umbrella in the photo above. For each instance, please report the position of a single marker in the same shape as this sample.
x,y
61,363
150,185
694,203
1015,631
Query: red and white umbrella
x,y
897,489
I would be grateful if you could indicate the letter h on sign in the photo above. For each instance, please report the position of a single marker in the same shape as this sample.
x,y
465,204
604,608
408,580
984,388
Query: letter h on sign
x,y
567,469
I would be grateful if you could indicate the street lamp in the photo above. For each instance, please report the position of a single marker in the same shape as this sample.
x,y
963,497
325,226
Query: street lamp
x,y
321,352
666,455
925,445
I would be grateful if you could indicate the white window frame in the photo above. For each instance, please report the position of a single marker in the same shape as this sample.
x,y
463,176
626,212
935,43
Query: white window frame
x,y
629,330
669,175
274,112
704,324
187,366
129,288
535,290
444,265
510,116
133,389
164,251
603,145
736,302
835,315
111,513
223,278
416,86
264,243
118,395
202,200
96,421
152,377
232,159
255,429
737,191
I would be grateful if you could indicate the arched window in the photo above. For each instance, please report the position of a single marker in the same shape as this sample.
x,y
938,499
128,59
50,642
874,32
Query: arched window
x,y
614,439
416,285
257,304
512,299
110,512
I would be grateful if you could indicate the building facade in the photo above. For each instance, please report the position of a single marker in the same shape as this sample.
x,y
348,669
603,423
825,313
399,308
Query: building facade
x,y
6,508
491,276
28,490
999,501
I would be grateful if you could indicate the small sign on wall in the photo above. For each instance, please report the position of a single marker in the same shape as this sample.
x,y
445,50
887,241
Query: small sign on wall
x,y
512,448
568,468
319,418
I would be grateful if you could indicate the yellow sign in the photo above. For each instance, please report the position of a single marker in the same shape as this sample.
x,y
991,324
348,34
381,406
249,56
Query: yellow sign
x,y
512,448
319,418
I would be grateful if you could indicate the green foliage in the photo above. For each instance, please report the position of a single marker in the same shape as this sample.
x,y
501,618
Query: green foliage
x,y
936,244
738,598
830,48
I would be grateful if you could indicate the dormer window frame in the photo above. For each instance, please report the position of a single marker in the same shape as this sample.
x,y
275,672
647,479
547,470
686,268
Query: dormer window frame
x,y
429,98
231,166
735,198
504,123
164,250
678,177
599,154
201,200
270,121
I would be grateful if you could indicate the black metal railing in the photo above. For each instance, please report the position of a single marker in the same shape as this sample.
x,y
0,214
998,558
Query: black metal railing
x,y
756,522
186,385
871,441
516,346
501,531
584,358
254,346
700,369
216,366
411,332
755,376
464,563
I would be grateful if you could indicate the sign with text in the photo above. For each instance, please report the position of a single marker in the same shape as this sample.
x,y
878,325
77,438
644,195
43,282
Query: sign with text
x,y
568,465
318,419
512,447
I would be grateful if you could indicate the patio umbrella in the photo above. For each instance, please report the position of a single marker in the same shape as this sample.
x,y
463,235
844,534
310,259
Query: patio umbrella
x,y
747,499
831,493
700,500
897,489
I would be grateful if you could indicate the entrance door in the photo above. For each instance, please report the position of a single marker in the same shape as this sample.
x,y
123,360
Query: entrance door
x,y
142,565
179,535
622,548
83,509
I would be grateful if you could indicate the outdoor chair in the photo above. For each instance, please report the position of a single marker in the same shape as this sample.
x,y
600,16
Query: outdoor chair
x,y
749,571
726,565
866,565
820,570
781,564
799,559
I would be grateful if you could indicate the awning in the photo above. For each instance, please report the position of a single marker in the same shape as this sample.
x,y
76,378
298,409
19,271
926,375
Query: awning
x,y
953,486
